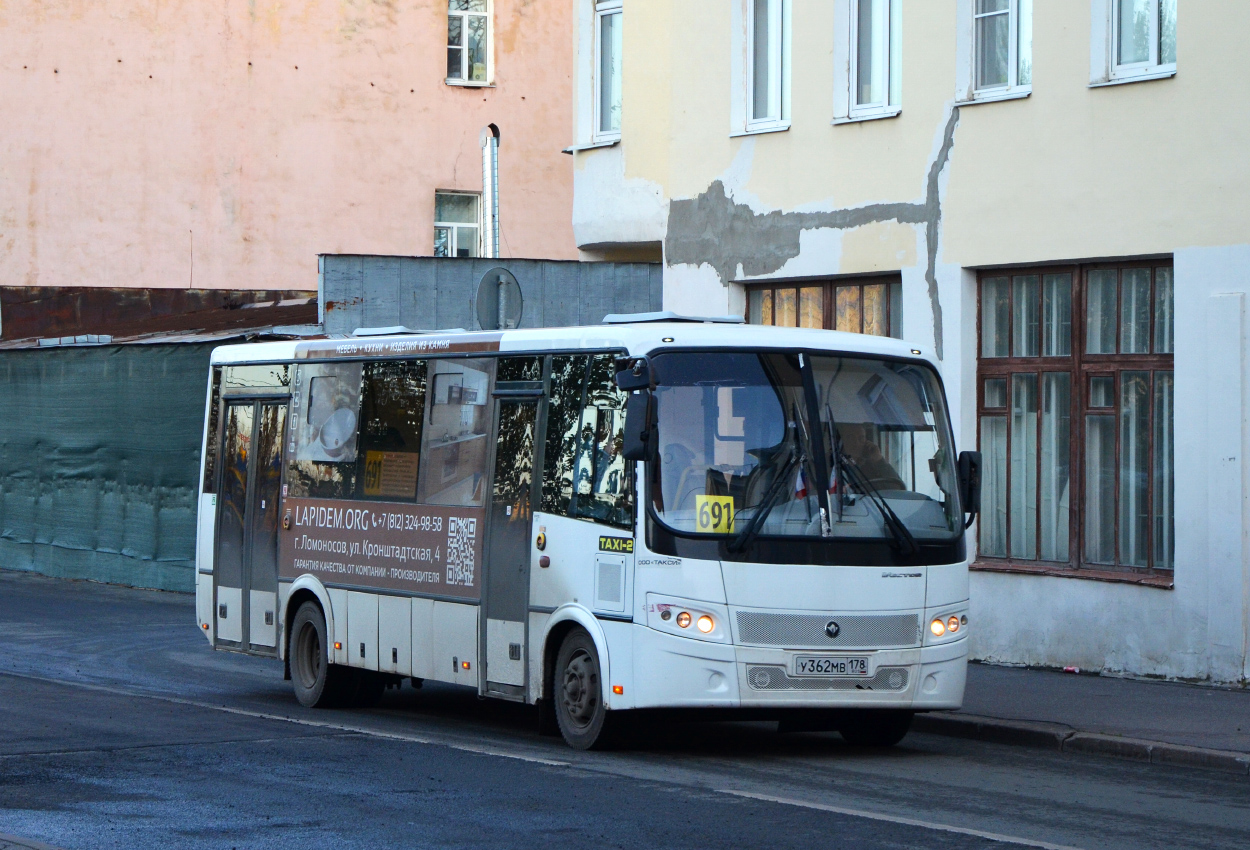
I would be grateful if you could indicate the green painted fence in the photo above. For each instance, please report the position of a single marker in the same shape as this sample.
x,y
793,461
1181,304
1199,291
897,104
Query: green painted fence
x,y
99,457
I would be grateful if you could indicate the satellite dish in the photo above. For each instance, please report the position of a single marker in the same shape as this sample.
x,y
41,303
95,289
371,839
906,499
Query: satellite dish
x,y
499,301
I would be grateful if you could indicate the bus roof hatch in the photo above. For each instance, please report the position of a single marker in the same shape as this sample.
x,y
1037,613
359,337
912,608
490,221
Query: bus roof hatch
x,y
667,316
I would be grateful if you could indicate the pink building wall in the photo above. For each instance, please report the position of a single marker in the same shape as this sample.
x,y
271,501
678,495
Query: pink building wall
x,y
224,144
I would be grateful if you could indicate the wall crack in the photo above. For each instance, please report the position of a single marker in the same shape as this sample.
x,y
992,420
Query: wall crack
x,y
715,229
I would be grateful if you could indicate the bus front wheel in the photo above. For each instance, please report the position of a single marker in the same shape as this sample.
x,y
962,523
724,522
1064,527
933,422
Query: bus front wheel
x,y
578,693
317,682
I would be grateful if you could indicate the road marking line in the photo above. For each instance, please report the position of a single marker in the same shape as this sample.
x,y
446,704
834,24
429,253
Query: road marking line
x,y
861,813
319,724
12,842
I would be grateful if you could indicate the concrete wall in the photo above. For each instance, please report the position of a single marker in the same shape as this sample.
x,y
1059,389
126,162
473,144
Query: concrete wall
x,y
425,293
173,143
1069,173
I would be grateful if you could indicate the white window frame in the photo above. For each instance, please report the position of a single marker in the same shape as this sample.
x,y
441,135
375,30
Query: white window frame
x,y
846,63
1104,39
742,69
464,80
452,225
603,8
967,50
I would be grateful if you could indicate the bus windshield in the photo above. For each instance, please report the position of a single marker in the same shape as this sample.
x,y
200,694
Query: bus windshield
x,y
794,445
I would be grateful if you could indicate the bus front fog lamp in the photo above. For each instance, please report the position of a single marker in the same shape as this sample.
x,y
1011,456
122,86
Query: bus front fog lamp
x,y
683,619
937,627
705,624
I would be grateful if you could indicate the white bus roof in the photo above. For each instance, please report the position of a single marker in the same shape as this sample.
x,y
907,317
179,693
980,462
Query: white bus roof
x,y
637,339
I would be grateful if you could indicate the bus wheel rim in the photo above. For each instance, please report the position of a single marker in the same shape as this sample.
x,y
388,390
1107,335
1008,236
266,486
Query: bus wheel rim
x,y
580,683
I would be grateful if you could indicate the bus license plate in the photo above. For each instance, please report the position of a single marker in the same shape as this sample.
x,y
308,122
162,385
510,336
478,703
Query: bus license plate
x,y
817,665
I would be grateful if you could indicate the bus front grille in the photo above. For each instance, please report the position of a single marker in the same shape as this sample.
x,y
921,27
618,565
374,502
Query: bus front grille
x,y
828,631
775,678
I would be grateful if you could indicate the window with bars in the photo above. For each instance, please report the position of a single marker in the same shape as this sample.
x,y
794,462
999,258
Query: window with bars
x,y
1075,409
468,42
868,306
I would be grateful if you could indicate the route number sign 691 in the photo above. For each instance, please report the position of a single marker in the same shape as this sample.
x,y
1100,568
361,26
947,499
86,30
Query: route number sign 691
x,y
714,514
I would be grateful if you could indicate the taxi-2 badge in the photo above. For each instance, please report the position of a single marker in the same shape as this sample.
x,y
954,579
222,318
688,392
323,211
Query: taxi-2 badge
x,y
616,544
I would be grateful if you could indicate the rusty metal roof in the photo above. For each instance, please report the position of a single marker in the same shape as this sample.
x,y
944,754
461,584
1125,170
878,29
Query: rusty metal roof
x,y
35,317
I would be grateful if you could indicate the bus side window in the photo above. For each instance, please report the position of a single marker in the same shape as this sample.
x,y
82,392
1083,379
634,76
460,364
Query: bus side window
x,y
392,411
564,406
602,488
210,444
455,440
322,446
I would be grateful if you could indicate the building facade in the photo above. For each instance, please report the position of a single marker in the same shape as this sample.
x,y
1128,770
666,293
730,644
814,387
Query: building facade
x,y
225,145
1049,196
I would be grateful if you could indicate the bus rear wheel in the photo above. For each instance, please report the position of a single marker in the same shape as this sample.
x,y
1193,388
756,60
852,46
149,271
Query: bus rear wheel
x,y
317,682
578,693
874,727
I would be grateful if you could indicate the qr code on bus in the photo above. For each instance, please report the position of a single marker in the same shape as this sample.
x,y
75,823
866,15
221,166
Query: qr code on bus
x,y
461,535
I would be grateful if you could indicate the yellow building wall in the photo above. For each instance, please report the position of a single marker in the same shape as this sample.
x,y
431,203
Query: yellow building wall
x,y
1071,171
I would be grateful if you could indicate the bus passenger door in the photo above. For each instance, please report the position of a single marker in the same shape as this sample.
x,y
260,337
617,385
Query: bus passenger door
x,y
506,599
246,573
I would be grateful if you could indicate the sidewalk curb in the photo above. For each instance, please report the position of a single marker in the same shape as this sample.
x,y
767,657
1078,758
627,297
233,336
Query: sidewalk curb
x,y
1056,736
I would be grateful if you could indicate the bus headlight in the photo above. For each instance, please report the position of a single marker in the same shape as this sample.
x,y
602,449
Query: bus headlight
x,y
946,626
688,618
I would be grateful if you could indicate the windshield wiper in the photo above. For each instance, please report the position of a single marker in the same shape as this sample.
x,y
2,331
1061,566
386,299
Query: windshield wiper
x,y
902,537
844,466
771,497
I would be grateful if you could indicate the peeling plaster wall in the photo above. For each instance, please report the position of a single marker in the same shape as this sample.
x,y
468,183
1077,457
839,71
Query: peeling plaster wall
x,y
1069,173
609,209
742,244
225,145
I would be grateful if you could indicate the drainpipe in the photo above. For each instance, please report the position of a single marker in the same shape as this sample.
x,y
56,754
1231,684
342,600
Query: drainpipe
x,y
490,190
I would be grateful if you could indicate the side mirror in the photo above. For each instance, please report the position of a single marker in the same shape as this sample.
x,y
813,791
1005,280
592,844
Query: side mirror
x,y
970,481
638,433
633,373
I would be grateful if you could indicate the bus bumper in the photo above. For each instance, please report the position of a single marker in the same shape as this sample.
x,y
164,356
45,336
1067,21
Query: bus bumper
x,y
675,672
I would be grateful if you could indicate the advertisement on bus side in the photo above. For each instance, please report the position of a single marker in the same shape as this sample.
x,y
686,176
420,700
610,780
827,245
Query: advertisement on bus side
x,y
425,549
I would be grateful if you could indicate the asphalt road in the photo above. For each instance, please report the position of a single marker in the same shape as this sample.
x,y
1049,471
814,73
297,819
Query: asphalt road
x,y
120,728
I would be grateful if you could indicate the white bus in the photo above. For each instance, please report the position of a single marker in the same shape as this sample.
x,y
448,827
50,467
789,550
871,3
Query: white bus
x,y
651,513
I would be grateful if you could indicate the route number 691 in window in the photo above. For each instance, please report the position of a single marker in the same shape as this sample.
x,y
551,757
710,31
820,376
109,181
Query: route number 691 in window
x,y
715,514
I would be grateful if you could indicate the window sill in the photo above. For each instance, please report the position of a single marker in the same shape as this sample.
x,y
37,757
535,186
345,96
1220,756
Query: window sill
x,y
590,146
468,84
779,127
1163,582
892,112
1163,72
996,96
